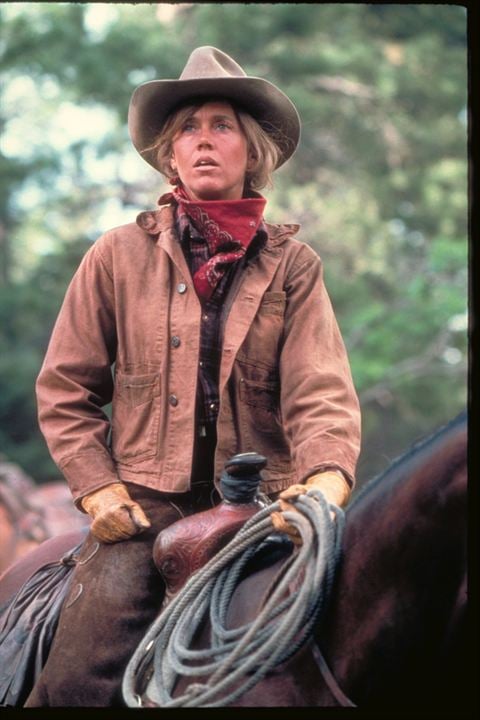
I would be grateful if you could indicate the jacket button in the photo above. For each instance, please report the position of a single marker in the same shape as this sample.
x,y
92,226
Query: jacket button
x,y
181,288
175,341
173,400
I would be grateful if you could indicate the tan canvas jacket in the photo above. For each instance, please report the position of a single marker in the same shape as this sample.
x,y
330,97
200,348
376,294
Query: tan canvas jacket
x,y
285,385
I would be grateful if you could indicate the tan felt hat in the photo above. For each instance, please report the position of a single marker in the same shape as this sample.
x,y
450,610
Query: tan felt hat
x,y
211,73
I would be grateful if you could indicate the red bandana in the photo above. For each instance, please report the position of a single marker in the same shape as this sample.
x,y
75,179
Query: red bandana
x,y
228,227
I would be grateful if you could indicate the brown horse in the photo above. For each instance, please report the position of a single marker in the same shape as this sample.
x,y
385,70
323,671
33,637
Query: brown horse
x,y
395,633
31,514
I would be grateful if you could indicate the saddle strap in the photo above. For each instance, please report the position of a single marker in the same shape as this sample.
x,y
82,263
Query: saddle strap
x,y
327,675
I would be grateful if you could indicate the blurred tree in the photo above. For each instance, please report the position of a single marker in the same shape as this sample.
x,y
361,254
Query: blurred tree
x,y
27,313
379,182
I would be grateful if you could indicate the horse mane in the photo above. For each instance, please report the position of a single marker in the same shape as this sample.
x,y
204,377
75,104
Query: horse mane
x,y
414,453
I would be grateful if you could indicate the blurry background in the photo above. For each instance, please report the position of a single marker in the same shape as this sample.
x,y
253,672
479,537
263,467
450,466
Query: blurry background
x,y
379,183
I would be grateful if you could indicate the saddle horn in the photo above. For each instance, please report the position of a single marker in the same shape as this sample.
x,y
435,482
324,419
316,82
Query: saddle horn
x,y
188,544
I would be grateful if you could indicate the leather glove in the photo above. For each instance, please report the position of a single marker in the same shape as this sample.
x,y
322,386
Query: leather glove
x,y
334,488
115,515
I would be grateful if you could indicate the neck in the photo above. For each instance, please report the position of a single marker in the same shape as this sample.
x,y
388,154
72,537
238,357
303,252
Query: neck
x,y
403,571
181,191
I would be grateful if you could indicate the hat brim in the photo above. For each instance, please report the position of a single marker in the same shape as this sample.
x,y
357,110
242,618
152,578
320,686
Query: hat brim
x,y
153,101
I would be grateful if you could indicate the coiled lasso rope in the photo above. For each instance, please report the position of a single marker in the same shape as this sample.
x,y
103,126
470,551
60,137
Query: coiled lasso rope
x,y
239,658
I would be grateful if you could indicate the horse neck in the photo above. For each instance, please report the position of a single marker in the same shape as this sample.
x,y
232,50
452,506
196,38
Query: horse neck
x,y
404,556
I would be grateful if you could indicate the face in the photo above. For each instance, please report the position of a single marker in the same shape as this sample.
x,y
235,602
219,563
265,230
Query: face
x,y
209,154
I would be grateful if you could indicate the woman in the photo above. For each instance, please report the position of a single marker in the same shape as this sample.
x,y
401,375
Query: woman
x,y
223,340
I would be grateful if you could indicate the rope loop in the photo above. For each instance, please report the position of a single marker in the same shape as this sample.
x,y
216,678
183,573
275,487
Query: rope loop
x,y
239,658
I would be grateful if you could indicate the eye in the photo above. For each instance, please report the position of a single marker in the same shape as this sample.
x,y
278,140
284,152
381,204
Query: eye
x,y
188,126
223,125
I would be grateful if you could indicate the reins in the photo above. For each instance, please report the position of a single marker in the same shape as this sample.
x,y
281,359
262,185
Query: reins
x,y
238,658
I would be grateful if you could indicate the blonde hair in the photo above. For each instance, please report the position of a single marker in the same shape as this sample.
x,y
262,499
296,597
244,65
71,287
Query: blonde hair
x,y
261,145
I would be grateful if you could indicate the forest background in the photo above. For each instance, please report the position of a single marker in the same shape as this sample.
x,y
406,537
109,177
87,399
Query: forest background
x,y
379,183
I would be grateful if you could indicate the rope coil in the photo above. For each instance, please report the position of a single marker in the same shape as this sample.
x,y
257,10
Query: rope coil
x,y
239,658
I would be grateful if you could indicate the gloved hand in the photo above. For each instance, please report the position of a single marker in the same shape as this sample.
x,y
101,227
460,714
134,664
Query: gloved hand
x,y
115,515
334,487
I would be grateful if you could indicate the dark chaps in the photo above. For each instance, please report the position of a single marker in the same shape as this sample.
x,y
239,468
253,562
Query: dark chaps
x,y
115,593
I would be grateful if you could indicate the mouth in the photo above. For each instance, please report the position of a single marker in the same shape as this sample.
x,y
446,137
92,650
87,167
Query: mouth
x,y
205,162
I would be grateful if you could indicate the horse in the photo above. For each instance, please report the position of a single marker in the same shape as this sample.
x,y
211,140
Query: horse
x,y
395,634
30,514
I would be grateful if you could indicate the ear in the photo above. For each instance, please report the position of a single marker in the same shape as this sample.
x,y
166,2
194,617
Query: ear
x,y
251,161
173,164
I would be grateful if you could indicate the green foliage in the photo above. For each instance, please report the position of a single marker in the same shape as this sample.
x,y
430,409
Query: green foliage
x,y
379,183
27,314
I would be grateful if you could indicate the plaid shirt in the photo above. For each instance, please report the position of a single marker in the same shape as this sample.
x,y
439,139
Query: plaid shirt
x,y
197,253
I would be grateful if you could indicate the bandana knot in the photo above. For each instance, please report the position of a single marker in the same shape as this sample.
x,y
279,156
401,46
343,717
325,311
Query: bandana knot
x,y
227,226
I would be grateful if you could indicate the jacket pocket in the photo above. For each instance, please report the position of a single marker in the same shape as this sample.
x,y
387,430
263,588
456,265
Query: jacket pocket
x,y
262,397
262,343
273,303
261,424
135,416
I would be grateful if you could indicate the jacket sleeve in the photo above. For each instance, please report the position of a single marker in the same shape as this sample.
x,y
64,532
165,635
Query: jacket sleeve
x,y
320,408
75,380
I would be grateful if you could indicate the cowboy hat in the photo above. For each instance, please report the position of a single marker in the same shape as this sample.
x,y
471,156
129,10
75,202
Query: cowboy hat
x,y
212,73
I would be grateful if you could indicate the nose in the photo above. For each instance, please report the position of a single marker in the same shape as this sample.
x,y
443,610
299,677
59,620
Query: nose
x,y
205,138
